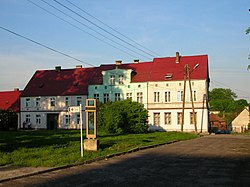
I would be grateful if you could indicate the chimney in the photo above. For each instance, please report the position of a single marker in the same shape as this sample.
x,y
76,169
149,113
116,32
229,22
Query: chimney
x,y
58,68
78,66
136,61
118,62
177,58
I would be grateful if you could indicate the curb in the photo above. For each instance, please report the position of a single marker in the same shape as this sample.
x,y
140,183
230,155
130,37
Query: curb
x,y
88,161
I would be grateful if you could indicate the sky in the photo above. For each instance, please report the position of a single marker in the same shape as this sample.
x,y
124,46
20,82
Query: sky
x,y
95,32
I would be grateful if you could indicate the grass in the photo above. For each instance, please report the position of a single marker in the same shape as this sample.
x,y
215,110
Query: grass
x,y
56,148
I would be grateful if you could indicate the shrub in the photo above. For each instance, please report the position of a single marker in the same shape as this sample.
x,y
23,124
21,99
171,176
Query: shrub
x,y
8,120
122,117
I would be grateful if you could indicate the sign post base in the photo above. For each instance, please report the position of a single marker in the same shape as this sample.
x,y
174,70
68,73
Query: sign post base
x,y
91,144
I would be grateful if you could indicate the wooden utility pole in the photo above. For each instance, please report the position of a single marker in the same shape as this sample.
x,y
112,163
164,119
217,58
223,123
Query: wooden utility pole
x,y
187,76
183,98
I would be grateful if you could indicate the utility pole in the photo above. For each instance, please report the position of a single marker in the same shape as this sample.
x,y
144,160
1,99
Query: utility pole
x,y
183,97
187,76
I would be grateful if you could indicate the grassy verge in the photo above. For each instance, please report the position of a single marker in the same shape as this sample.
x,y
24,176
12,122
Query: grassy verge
x,y
56,148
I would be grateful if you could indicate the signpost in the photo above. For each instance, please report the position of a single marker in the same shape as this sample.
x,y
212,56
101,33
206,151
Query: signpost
x,y
78,109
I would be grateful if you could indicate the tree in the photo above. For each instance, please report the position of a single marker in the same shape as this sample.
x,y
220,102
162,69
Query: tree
x,y
8,120
222,99
122,117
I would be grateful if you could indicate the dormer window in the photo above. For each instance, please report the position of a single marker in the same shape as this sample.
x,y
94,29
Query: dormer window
x,y
120,79
168,76
112,80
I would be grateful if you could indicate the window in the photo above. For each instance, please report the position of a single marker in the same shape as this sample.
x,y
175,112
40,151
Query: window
x,y
38,119
167,118
52,101
157,119
78,119
96,96
120,79
112,80
156,97
66,101
139,97
67,119
105,97
194,96
129,95
167,96
78,101
117,96
27,102
38,102
27,118
179,96
193,118
179,118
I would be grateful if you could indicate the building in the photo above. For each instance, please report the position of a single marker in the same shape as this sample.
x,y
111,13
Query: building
x,y
9,100
242,121
158,84
217,123
49,93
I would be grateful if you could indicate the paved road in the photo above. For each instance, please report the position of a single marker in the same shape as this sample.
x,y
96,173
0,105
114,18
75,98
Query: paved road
x,y
218,160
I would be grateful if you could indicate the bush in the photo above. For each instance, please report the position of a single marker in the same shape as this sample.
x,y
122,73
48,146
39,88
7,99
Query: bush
x,y
122,117
8,120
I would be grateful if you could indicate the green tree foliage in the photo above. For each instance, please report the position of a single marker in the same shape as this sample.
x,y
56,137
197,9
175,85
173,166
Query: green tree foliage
x,y
224,100
122,117
8,120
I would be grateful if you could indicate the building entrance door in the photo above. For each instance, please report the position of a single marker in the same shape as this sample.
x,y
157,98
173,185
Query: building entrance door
x,y
52,121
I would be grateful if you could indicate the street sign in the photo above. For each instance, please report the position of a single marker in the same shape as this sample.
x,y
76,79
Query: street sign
x,y
74,109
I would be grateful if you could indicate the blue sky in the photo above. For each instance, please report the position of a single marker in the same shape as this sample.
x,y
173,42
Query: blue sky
x,y
193,27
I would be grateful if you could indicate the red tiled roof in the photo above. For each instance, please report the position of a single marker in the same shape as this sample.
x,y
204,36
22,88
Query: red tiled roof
x,y
215,117
9,100
76,81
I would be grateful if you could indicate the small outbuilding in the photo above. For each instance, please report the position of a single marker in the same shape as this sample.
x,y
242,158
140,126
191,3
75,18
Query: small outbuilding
x,y
242,121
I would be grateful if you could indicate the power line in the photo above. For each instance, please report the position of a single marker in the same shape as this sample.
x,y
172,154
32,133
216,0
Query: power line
x,y
40,44
103,29
78,28
222,84
111,27
92,29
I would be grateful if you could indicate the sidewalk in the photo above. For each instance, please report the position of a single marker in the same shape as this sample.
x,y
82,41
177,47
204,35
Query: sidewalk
x,y
14,172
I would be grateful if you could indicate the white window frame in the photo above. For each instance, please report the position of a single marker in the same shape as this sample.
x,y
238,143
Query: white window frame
x,y
27,118
157,118
192,117
38,119
156,97
66,100
120,79
129,95
179,118
167,96
112,80
67,119
167,117
52,101
117,96
96,96
27,102
38,101
180,95
78,101
105,97
139,97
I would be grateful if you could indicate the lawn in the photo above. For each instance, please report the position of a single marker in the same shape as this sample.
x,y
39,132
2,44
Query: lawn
x,y
61,147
